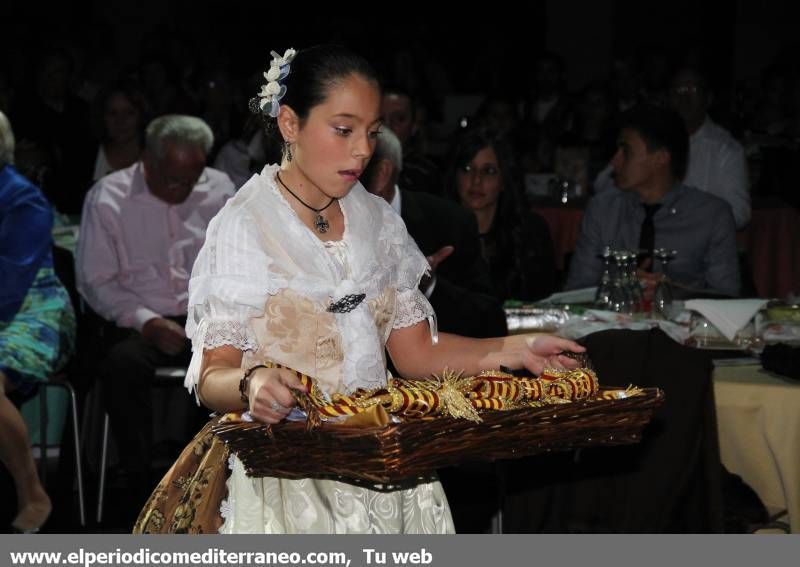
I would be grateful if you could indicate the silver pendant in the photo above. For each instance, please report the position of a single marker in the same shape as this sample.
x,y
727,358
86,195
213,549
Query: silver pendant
x,y
321,224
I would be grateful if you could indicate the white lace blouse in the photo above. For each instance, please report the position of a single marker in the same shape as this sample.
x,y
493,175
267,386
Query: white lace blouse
x,y
257,247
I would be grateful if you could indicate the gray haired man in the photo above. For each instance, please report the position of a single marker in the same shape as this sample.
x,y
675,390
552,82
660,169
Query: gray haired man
x,y
141,230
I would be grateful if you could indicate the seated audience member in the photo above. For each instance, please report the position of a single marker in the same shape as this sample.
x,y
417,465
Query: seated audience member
x,y
460,289
655,210
57,122
141,230
537,152
124,113
400,116
717,163
37,164
655,67
515,242
498,112
219,106
772,115
245,155
248,150
593,127
37,325
626,83
163,97
547,106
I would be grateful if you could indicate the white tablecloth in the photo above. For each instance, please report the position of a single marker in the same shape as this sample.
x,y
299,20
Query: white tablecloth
x,y
758,416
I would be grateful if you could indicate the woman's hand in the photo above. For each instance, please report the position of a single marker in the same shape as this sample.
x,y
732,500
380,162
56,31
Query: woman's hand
x,y
543,351
270,393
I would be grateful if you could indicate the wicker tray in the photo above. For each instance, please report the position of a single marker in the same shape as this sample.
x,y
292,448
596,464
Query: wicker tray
x,y
413,449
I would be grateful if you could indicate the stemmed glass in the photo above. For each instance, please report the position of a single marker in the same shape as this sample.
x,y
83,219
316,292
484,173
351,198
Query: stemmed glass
x,y
662,296
603,296
621,301
632,281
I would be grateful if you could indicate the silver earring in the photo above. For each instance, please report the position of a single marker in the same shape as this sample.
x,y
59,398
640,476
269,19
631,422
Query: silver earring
x,y
288,151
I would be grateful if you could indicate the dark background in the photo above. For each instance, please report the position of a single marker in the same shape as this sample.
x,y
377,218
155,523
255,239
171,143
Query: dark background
x,y
737,39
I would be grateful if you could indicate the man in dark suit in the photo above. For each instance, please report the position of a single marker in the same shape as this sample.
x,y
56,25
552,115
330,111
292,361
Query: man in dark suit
x,y
459,288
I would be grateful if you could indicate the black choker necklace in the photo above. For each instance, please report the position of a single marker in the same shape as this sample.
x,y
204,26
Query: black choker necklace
x,y
320,223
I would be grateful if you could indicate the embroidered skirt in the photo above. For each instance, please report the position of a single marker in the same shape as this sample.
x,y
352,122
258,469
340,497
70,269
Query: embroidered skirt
x,y
207,491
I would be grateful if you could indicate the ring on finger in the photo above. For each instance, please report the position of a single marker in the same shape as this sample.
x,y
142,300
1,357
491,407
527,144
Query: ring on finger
x,y
276,406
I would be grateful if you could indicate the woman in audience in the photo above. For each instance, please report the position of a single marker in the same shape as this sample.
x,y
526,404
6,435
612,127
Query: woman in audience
x,y
123,109
37,324
515,242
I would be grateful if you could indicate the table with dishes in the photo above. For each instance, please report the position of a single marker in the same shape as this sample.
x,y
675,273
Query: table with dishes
x,y
757,411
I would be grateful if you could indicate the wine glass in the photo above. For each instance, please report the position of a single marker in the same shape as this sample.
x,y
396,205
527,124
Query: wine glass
x,y
602,297
634,287
662,296
620,292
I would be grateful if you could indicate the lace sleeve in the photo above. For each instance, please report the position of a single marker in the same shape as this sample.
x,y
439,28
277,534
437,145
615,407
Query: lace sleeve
x,y
217,324
412,307
229,333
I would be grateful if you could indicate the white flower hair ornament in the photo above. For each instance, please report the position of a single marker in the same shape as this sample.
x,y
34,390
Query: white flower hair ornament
x,y
268,100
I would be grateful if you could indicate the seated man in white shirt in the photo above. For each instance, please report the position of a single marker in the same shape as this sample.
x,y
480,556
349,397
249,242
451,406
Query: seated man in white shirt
x,y
717,163
141,230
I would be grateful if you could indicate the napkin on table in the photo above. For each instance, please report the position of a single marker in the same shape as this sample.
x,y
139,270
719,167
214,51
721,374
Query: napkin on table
x,y
729,316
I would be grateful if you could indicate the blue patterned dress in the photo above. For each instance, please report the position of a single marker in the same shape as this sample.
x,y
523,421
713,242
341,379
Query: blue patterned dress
x,y
37,324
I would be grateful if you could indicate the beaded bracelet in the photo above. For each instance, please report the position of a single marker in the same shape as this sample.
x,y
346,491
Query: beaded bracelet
x,y
244,383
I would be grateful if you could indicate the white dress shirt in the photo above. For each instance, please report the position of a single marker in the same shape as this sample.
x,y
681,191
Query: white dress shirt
x,y
135,251
717,165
